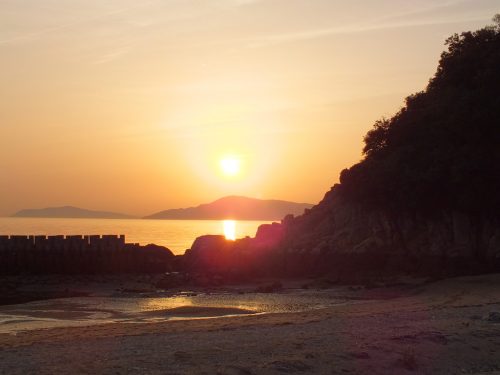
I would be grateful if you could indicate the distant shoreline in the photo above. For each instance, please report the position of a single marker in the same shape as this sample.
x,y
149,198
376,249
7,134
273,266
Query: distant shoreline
x,y
135,218
227,208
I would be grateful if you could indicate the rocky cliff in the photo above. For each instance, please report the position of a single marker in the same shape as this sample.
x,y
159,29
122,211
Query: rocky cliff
x,y
426,196
349,240
350,243
424,200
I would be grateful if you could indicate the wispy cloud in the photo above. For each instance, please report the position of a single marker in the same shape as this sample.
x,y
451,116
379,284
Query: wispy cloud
x,y
423,10
319,33
395,21
35,35
39,33
113,55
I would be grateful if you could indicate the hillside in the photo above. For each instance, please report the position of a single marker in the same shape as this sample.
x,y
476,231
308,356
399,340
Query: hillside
x,y
237,208
69,212
426,196
441,151
425,199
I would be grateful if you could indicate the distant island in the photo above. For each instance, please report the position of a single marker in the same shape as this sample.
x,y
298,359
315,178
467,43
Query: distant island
x,y
231,207
237,208
70,212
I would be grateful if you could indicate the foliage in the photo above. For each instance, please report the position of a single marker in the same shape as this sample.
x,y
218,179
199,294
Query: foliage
x,y
441,151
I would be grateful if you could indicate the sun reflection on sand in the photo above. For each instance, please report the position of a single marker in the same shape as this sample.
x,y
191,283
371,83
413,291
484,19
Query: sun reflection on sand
x,y
165,303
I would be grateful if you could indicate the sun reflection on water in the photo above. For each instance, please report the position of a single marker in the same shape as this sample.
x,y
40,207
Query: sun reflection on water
x,y
230,229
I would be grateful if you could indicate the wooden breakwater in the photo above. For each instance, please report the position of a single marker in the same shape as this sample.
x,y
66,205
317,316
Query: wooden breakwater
x,y
80,254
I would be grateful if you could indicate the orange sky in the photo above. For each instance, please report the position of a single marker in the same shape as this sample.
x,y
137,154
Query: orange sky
x,y
129,105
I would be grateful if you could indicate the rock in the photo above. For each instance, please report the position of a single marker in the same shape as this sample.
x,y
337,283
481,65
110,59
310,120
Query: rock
x,y
235,370
494,317
270,288
320,283
202,281
360,355
170,280
182,356
353,243
134,290
269,235
209,254
291,366
408,360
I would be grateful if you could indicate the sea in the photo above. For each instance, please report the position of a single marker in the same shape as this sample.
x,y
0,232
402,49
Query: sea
x,y
177,235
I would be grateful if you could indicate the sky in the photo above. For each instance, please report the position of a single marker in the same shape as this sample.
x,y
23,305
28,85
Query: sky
x,y
130,105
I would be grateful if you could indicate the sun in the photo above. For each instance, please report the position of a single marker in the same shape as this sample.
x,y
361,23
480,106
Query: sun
x,y
230,166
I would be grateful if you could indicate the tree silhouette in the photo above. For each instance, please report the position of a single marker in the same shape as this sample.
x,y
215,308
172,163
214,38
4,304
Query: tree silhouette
x,y
441,151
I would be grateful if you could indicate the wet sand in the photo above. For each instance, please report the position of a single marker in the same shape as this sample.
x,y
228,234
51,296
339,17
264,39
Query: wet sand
x,y
446,327
104,305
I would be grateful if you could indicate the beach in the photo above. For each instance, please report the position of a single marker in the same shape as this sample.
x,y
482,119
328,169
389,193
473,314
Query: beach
x,y
447,327
246,187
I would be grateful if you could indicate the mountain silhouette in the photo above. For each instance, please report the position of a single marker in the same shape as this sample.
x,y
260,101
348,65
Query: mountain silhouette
x,y
237,208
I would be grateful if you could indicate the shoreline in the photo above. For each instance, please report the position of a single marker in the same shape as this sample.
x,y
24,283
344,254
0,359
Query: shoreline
x,y
447,327
91,301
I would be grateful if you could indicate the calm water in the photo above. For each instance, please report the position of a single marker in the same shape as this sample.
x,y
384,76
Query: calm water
x,y
78,311
177,235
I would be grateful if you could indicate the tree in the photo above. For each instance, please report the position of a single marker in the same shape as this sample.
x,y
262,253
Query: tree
x,y
441,151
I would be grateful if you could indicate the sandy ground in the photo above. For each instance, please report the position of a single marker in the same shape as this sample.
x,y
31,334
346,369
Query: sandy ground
x,y
446,327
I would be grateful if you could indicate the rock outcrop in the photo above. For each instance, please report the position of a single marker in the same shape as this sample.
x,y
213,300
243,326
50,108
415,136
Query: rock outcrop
x,y
350,243
425,199
244,258
344,238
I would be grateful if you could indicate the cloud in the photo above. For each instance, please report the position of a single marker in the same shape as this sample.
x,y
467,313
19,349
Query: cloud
x,y
113,55
396,21
37,34
240,2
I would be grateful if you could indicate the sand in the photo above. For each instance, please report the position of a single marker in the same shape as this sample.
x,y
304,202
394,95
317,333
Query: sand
x,y
445,327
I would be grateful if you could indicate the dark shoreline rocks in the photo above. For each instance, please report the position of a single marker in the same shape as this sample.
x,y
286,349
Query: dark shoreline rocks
x,y
13,297
350,244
